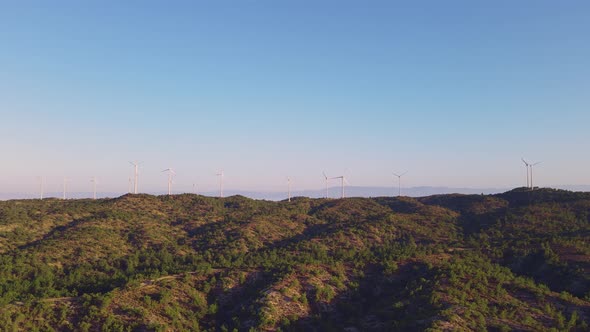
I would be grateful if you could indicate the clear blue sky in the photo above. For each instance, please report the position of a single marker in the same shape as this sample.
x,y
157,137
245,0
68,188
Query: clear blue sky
x,y
453,91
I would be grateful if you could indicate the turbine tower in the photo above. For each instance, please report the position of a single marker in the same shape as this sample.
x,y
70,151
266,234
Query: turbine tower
x,y
220,174
41,183
130,183
526,165
399,182
171,173
94,181
326,178
136,165
289,188
65,187
342,181
531,166
529,169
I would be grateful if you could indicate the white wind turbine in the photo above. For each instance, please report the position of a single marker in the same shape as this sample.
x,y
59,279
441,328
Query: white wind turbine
x,y
289,188
94,182
171,174
526,165
41,186
399,182
529,169
220,174
342,182
65,187
531,166
136,166
326,178
129,185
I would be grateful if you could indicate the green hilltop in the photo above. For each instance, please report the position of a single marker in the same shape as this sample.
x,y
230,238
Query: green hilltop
x,y
513,261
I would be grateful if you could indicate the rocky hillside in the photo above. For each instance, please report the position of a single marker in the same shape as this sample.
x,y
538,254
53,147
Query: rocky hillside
x,y
513,261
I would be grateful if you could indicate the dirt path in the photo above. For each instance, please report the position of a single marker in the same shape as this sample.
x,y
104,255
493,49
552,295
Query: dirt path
x,y
60,299
141,285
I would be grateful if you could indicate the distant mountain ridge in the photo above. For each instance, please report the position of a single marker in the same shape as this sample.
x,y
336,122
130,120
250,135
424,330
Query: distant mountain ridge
x,y
334,192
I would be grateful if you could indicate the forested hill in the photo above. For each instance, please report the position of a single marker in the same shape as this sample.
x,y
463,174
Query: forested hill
x,y
513,261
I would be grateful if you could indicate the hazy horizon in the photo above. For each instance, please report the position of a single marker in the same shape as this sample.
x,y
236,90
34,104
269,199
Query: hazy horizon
x,y
333,192
455,92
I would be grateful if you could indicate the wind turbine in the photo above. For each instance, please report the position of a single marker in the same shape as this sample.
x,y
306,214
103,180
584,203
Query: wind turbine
x,y
136,164
129,186
289,188
326,178
531,166
342,181
194,188
41,183
94,182
220,174
65,187
171,173
399,182
527,165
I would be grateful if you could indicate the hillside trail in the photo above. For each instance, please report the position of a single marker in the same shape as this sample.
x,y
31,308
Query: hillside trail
x,y
143,284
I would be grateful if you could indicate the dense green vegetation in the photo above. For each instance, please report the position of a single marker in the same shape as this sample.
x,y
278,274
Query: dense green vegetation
x,y
513,261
